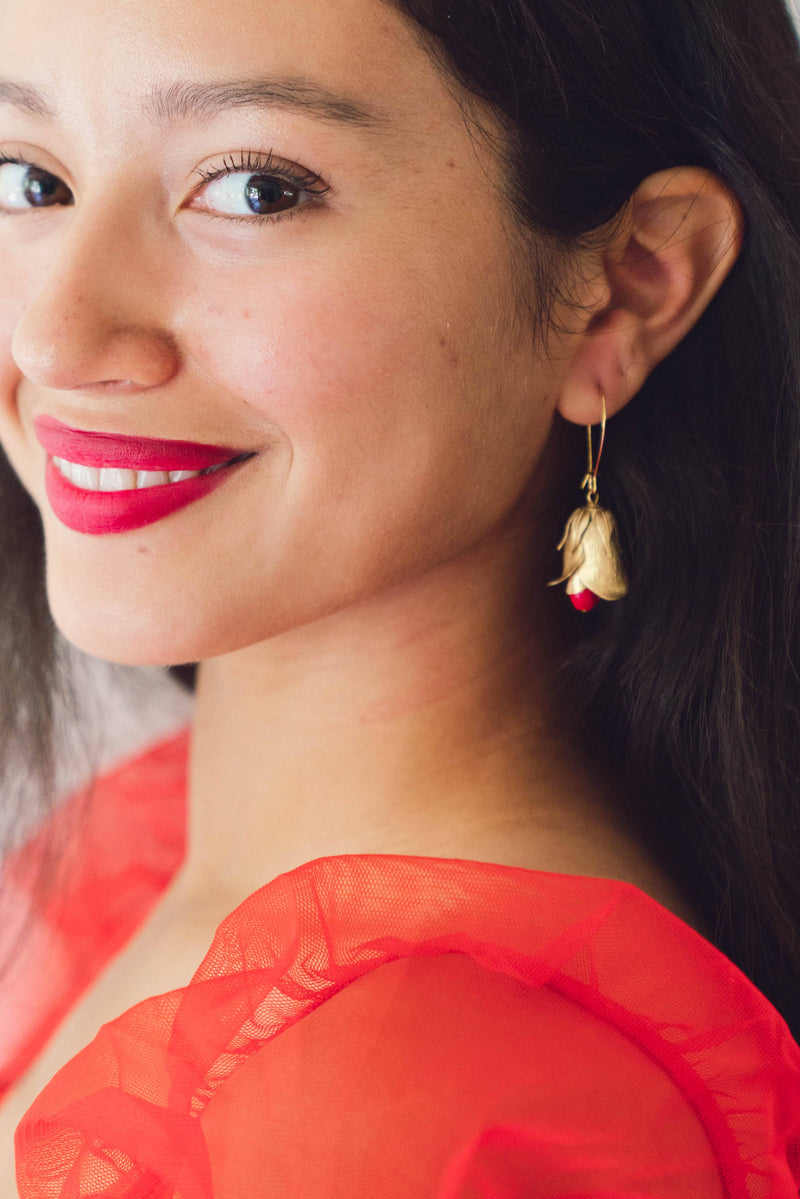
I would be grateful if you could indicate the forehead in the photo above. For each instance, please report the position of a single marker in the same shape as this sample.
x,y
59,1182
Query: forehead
x,y
101,60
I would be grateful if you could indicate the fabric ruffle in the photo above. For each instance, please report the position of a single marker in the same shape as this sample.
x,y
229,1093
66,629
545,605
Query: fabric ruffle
x,y
390,1027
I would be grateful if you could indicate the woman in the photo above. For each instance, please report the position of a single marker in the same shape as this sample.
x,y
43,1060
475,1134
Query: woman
x,y
501,896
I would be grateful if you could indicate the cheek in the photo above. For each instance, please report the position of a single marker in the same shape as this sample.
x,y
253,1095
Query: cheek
x,y
298,346
360,346
394,400
12,305
12,435
359,375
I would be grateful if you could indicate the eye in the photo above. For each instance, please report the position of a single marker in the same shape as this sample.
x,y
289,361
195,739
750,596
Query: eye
x,y
24,186
256,187
247,187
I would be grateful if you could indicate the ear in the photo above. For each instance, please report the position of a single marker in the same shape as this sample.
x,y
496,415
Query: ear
x,y
681,234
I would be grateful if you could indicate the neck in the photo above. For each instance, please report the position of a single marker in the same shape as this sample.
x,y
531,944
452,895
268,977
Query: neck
x,y
419,722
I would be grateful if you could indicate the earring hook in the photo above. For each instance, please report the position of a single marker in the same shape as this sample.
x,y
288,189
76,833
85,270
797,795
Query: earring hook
x,y
589,482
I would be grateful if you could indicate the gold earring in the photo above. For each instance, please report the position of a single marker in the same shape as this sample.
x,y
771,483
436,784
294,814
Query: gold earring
x,y
592,565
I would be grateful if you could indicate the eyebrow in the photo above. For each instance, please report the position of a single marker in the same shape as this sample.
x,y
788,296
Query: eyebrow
x,y
187,100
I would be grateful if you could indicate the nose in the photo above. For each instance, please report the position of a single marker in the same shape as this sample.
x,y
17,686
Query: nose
x,y
94,319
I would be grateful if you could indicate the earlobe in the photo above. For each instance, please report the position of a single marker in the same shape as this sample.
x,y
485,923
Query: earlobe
x,y
679,238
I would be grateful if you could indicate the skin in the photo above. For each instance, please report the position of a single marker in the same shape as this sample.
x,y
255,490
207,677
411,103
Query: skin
x,y
375,657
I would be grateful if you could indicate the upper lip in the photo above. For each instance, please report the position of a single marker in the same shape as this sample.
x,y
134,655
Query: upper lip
x,y
93,448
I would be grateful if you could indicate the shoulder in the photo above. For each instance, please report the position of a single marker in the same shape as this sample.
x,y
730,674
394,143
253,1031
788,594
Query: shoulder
x,y
440,1074
422,1027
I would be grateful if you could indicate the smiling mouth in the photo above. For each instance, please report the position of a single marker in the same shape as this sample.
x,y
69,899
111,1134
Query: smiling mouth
x,y
101,500
122,478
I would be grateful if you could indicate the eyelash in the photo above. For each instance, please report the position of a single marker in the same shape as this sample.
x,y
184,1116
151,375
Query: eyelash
x,y
266,164
244,161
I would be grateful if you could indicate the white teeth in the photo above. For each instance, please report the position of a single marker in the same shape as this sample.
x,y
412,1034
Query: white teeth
x,y
108,478
149,478
83,476
113,479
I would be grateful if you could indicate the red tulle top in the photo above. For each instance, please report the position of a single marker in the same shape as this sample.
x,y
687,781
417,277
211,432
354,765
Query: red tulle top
x,y
375,1026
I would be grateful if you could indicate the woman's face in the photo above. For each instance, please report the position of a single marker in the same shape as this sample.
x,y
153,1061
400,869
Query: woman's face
x,y
356,329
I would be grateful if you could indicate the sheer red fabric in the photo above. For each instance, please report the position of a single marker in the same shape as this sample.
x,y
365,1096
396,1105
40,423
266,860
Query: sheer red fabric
x,y
393,1027
122,844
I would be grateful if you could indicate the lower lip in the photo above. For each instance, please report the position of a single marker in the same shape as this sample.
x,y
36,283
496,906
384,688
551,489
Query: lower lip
x,y
119,511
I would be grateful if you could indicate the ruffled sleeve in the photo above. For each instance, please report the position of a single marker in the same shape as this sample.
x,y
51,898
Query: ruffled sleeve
x,y
420,1028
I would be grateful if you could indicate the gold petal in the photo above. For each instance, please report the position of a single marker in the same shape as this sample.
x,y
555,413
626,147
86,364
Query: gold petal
x,y
572,543
602,570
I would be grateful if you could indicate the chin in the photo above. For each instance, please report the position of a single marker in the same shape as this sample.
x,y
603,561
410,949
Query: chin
x,y
162,634
129,634
119,644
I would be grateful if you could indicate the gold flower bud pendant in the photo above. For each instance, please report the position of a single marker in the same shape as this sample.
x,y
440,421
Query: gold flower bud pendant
x,y
592,565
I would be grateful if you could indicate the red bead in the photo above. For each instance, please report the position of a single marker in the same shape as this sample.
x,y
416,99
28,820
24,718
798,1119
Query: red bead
x,y
584,601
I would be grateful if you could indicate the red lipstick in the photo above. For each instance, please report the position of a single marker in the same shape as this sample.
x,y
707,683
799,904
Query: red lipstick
x,y
131,453
98,512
